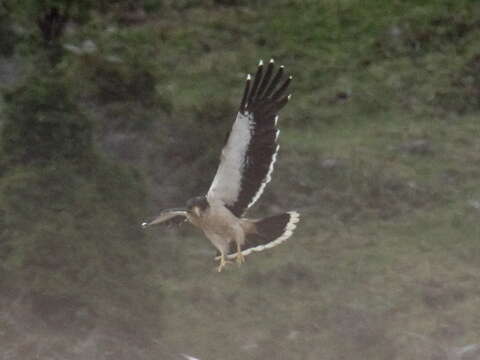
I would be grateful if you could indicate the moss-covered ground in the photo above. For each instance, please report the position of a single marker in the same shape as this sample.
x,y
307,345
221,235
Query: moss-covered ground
x,y
380,153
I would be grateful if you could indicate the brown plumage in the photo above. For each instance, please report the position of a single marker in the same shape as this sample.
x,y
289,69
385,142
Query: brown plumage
x,y
245,168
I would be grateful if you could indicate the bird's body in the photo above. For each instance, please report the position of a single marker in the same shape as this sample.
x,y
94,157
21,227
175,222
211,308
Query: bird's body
x,y
246,164
219,225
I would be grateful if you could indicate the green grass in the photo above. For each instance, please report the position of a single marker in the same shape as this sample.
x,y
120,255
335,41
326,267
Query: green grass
x,y
380,153
369,290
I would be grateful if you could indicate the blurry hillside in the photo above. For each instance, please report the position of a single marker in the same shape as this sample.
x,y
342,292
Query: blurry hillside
x,y
114,109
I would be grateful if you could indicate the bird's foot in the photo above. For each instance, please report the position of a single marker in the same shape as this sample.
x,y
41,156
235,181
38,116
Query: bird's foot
x,y
240,258
222,264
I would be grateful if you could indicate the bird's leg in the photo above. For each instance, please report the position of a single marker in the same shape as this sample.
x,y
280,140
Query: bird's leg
x,y
223,262
240,257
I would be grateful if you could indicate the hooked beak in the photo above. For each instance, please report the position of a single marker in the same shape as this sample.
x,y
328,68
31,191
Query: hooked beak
x,y
196,210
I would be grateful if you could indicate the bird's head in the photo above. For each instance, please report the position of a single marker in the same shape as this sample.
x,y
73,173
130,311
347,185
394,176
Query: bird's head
x,y
197,205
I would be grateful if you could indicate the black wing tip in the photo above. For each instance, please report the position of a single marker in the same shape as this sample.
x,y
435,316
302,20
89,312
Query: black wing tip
x,y
283,101
175,220
266,86
278,94
243,104
257,81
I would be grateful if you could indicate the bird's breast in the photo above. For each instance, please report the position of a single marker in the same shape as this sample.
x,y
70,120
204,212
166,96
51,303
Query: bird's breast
x,y
194,220
218,220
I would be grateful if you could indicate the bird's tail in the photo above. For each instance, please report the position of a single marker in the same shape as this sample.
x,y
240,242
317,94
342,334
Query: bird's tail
x,y
267,233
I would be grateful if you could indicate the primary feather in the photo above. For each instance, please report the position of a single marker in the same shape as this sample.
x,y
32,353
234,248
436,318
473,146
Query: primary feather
x,y
250,152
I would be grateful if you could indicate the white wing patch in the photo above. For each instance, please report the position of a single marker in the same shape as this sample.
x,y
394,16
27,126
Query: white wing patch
x,y
226,185
248,156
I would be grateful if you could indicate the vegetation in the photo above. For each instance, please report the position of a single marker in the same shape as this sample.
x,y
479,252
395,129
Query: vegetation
x,y
120,109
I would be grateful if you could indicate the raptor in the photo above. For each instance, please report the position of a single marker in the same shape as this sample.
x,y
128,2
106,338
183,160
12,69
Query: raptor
x,y
246,165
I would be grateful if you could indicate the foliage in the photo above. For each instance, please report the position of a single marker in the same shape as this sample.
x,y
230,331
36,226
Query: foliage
x,y
70,236
71,244
7,35
49,125
379,153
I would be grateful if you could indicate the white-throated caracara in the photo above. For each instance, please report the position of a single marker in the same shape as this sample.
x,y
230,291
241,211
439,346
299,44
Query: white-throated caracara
x,y
246,165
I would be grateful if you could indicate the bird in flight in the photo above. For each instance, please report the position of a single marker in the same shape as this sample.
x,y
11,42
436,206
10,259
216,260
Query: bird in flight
x,y
246,165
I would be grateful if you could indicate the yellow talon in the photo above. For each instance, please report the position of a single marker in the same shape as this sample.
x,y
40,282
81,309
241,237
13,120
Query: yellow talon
x,y
223,262
240,258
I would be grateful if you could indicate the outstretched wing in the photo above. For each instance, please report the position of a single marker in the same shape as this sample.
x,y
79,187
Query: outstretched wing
x,y
248,156
168,217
